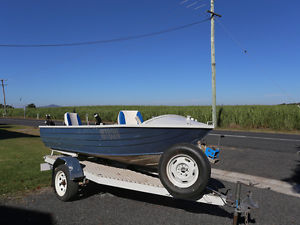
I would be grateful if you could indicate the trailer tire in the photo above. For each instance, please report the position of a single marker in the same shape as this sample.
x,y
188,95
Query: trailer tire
x,y
184,171
64,188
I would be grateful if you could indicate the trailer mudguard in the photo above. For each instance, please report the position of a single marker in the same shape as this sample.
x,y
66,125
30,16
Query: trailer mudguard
x,y
75,169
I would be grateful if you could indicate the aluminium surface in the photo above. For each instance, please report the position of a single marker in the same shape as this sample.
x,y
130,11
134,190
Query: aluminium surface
x,y
132,180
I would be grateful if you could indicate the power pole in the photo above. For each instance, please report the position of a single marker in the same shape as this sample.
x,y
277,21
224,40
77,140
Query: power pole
x,y
213,61
2,81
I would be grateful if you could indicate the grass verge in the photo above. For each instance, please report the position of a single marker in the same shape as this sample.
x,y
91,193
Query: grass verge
x,y
21,152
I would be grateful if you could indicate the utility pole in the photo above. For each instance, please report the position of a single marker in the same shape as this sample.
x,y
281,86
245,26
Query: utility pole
x,y
213,61
2,81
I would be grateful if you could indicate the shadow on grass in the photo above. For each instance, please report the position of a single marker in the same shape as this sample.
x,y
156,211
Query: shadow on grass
x,y
5,134
219,117
13,215
189,206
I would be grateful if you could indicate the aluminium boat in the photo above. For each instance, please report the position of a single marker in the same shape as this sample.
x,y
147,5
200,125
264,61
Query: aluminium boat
x,y
130,137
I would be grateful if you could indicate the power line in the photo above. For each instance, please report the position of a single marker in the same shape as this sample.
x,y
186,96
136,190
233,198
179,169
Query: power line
x,y
184,1
108,40
200,6
234,39
232,36
193,5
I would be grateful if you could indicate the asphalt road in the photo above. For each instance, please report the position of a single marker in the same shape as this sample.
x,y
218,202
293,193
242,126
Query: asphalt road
x,y
272,156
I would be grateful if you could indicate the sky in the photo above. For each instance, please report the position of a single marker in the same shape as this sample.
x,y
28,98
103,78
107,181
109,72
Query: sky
x,y
173,68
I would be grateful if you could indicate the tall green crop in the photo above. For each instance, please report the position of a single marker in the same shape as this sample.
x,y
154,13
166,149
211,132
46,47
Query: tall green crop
x,y
275,117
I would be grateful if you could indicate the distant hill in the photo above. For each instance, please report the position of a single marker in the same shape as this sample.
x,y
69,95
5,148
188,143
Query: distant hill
x,y
50,106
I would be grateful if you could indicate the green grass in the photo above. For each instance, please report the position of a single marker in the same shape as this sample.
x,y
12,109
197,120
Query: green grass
x,y
21,152
273,117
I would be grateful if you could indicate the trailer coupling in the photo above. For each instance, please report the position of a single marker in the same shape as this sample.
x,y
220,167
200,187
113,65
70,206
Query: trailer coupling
x,y
241,206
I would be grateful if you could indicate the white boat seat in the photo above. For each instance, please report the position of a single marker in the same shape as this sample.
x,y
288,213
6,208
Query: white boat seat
x,y
130,117
72,119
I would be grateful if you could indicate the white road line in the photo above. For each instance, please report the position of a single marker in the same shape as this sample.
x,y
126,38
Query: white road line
x,y
255,137
258,182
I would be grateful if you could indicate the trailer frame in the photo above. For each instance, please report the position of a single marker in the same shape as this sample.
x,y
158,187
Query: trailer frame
x,y
84,170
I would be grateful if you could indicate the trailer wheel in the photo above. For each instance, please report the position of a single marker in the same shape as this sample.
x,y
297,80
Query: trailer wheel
x,y
184,171
64,188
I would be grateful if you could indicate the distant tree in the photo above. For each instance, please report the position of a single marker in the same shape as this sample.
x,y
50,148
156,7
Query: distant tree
x,y
32,106
7,106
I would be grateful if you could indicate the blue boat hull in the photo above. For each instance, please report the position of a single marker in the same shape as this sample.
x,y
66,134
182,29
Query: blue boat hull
x,y
118,141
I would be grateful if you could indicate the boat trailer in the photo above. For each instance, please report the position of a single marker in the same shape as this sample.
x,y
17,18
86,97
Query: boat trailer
x,y
84,170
